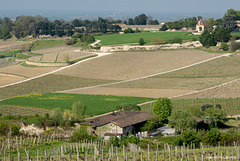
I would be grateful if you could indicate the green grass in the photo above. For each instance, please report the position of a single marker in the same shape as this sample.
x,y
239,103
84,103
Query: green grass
x,y
40,44
8,53
34,54
96,104
49,83
116,39
230,105
235,33
22,56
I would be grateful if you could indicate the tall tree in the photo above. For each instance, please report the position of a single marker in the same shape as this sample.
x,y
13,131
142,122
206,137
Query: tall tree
x,y
78,111
207,39
163,108
5,34
222,34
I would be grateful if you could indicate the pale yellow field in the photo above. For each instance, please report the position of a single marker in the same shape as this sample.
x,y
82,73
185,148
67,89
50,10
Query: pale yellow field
x,y
8,79
26,71
136,92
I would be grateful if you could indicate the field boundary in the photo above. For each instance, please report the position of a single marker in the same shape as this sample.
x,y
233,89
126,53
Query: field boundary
x,y
135,79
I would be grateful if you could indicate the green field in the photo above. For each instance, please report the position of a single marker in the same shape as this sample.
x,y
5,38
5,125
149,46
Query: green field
x,y
116,39
230,105
40,44
22,56
96,104
8,53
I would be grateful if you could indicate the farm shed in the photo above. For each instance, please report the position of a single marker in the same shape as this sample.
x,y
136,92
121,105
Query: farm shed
x,y
118,123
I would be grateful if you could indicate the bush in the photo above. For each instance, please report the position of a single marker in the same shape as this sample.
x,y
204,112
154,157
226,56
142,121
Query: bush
x,y
175,40
4,129
141,41
224,46
90,39
128,30
115,141
234,46
71,41
14,129
163,28
34,120
81,134
212,137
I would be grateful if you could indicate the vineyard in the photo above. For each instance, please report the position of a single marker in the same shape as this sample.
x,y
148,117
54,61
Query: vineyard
x,y
230,105
54,147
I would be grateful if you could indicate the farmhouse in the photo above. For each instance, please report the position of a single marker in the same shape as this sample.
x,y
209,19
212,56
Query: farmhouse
x,y
200,27
118,123
238,23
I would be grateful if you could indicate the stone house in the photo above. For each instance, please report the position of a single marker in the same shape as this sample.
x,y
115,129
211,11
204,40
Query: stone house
x,y
117,123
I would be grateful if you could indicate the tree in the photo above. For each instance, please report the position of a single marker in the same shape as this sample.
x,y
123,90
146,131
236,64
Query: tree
x,y
207,39
214,115
78,111
157,42
141,41
182,121
5,34
163,108
130,21
164,28
151,124
128,30
57,116
222,34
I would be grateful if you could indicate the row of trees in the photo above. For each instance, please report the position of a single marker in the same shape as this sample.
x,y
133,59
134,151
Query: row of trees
x,y
35,26
141,19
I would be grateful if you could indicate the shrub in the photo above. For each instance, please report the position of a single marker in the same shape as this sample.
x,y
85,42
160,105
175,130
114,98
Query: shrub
x,y
81,134
234,46
224,46
163,28
141,41
175,40
71,41
115,141
128,30
14,129
4,128
34,120
212,137
90,39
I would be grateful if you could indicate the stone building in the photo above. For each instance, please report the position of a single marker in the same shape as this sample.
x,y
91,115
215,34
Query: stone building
x,y
200,27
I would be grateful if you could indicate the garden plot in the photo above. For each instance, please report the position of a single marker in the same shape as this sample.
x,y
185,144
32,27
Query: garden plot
x,y
130,65
35,58
49,58
72,56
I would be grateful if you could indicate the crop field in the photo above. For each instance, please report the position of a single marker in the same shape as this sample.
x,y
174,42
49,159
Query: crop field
x,y
96,104
10,45
40,44
23,111
230,105
8,79
130,65
8,53
116,39
198,77
58,54
49,83
26,71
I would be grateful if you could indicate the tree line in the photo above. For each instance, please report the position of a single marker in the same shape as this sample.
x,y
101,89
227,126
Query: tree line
x,y
25,26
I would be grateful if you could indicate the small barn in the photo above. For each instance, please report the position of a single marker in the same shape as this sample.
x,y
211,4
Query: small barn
x,y
200,27
118,123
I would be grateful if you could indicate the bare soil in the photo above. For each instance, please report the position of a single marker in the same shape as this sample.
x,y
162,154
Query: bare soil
x,y
129,65
8,79
7,45
26,71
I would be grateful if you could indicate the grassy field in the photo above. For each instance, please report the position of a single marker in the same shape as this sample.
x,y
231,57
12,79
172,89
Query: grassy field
x,y
230,105
96,104
116,39
49,83
8,53
22,56
40,44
